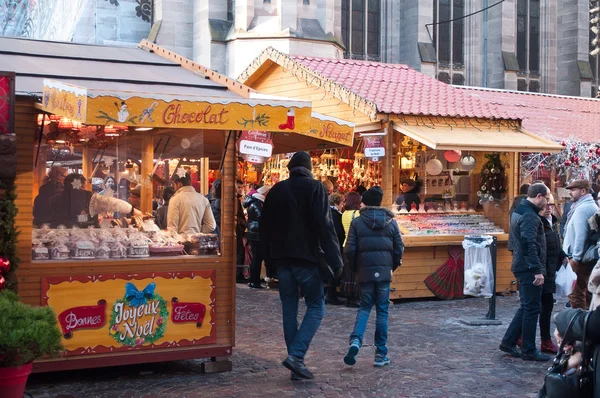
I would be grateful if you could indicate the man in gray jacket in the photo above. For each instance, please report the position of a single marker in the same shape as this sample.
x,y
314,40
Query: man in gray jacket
x,y
575,241
529,258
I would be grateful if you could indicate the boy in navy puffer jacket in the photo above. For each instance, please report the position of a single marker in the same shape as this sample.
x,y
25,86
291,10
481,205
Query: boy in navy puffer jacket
x,y
374,250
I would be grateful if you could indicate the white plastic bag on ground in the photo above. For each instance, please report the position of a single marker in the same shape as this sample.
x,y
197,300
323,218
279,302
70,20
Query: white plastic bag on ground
x,y
479,278
565,279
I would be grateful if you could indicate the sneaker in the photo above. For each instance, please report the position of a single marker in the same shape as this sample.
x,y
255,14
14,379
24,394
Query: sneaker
x,y
256,286
548,346
350,358
381,360
536,356
298,367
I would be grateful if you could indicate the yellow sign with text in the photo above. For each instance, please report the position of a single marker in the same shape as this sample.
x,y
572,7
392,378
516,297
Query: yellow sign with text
x,y
120,312
220,114
331,129
65,100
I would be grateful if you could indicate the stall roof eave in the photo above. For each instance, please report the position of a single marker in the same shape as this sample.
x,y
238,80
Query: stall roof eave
x,y
27,85
499,138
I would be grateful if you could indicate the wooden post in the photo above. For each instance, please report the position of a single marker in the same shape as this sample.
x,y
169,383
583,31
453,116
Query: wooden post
x,y
86,163
40,169
25,129
147,167
386,169
228,217
203,175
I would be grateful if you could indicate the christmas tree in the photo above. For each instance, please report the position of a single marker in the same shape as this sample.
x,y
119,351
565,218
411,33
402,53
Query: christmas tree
x,y
492,179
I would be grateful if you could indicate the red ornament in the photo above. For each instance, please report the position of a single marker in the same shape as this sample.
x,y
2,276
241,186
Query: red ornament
x,y
594,166
563,143
573,148
4,265
567,162
598,151
2,282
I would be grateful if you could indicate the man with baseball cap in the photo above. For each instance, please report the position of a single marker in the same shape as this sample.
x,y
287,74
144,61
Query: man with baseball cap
x,y
576,238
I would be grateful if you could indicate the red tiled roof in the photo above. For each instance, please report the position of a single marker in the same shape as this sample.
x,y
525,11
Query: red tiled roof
x,y
555,116
398,89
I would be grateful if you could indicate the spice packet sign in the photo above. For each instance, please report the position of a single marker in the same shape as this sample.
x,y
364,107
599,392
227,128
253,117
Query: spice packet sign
x,y
374,148
119,312
255,146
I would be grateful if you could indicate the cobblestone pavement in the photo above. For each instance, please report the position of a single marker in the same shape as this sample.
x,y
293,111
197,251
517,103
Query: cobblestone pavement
x,y
433,355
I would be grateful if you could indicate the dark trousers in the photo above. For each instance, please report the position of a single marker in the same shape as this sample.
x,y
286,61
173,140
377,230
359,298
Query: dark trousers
x,y
293,279
546,315
240,253
256,264
525,321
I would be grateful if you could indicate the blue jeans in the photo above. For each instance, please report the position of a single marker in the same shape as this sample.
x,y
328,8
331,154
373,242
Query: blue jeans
x,y
378,294
525,321
308,280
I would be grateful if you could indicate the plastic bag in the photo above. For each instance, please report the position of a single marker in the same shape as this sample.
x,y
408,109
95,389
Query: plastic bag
x,y
479,278
565,280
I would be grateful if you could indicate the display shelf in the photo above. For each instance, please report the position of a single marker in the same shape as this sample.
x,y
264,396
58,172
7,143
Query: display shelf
x,y
446,224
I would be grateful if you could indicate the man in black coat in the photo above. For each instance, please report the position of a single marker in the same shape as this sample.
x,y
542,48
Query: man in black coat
x,y
296,223
529,258
374,250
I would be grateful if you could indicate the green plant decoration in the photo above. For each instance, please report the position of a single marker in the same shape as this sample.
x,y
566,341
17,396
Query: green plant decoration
x,y
8,231
26,333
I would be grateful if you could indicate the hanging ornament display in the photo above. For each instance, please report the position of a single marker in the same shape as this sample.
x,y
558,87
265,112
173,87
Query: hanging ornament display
x,y
577,159
4,265
434,167
492,178
468,162
452,156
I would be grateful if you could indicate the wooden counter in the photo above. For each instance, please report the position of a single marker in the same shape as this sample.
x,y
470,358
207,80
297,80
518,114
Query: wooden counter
x,y
425,254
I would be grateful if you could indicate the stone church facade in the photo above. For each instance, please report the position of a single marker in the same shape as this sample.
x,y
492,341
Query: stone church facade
x,y
526,45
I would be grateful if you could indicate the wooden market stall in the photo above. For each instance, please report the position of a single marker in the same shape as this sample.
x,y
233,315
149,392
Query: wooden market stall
x,y
121,112
417,120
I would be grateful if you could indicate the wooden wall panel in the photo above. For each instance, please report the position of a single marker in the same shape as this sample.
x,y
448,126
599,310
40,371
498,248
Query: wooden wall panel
x,y
277,81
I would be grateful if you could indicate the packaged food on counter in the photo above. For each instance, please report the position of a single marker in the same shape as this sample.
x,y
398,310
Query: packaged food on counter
x,y
140,239
203,244
440,223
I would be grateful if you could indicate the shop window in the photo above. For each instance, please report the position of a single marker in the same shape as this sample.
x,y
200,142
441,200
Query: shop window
x,y
100,193
448,31
361,29
306,2
528,35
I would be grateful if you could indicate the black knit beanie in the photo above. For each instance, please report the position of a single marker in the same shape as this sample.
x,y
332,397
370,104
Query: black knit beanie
x,y
373,196
300,159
